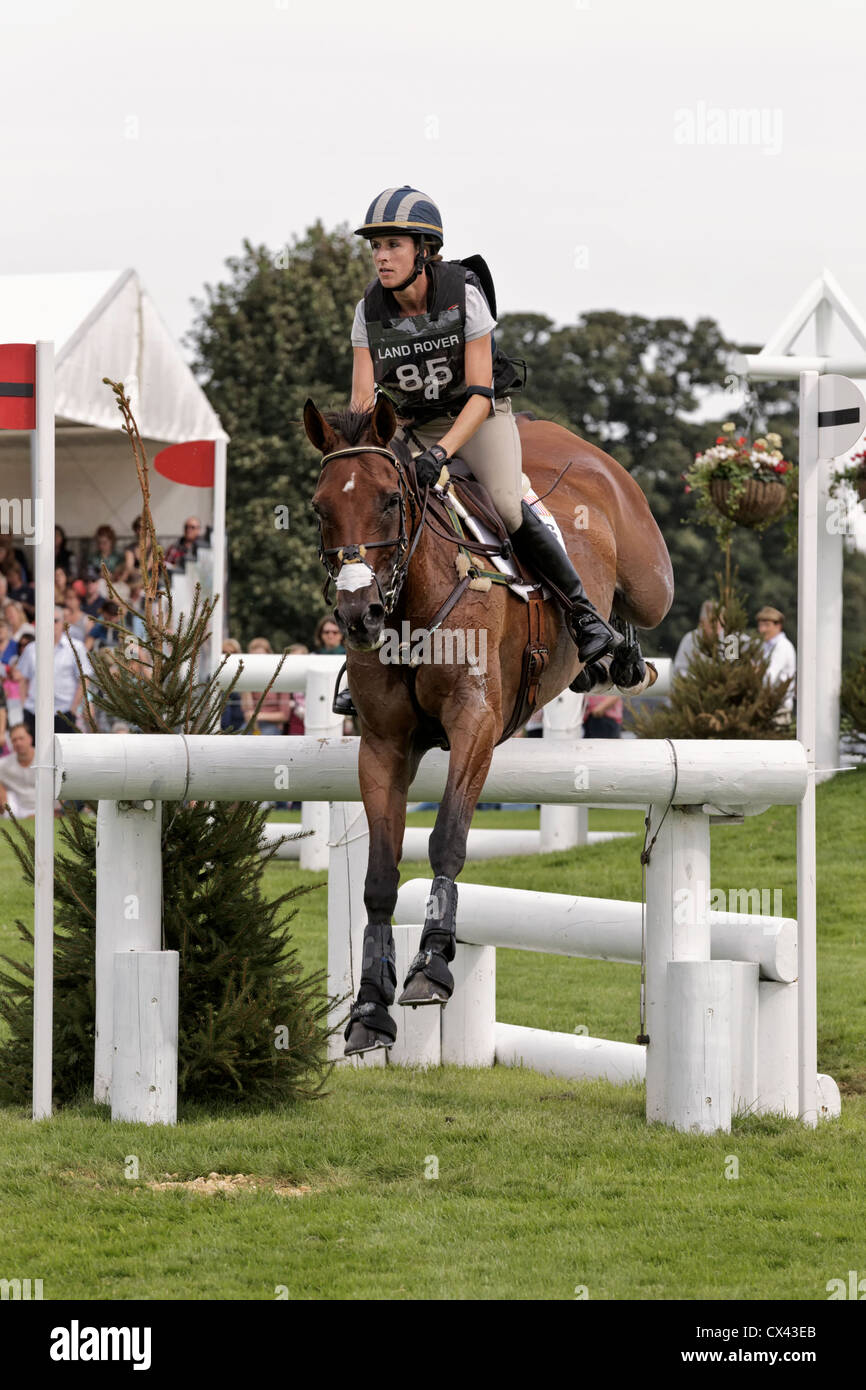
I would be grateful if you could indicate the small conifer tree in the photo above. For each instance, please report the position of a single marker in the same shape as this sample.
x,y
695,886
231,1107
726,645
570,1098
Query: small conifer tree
x,y
724,693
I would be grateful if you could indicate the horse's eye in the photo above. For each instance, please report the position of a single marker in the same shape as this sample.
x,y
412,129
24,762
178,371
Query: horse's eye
x,y
393,500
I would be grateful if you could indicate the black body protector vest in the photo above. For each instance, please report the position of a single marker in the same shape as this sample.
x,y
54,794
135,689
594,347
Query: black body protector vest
x,y
418,361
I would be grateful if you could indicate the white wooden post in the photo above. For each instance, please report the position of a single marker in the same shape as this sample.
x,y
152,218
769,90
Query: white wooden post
x,y
144,1067
778,1071
827,651
469,1017
699,1083
319,722
419,1042
677,929
128,908
744,1037
807,695
42,488
347,916
563,827
218,549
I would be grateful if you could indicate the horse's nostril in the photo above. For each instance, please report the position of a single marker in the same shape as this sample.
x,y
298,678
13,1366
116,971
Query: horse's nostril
x,y
374,615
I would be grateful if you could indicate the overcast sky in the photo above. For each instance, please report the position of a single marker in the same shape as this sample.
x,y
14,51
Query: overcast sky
x,y
590,149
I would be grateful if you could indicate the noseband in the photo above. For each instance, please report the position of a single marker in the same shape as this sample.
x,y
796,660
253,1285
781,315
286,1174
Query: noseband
x,y
355,552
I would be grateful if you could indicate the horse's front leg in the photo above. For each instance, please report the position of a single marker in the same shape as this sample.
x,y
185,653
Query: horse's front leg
x,y
385,770
429,981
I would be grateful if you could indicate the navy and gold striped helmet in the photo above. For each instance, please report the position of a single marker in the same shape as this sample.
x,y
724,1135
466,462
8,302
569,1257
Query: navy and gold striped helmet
x,y
403,211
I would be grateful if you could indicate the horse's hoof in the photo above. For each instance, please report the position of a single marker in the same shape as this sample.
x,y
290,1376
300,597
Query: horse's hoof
x,y
364,1039
420,990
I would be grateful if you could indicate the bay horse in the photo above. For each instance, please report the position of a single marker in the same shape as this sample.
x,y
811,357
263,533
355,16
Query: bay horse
x,y
389,566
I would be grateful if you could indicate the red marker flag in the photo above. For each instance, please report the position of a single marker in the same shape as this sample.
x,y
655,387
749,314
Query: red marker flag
x,y
18,386
191,463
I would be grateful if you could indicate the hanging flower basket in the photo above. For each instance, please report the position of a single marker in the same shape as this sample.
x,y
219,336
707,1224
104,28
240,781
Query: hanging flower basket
x,y
758,502
853,474
741,484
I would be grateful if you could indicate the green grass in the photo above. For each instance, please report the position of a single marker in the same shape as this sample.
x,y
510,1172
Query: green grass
x,y
543,1185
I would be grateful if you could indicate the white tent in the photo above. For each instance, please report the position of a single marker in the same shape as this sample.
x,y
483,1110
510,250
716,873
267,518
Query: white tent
x,y
105,324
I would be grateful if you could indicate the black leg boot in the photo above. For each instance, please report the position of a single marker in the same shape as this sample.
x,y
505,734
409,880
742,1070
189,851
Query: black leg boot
x,y
535,544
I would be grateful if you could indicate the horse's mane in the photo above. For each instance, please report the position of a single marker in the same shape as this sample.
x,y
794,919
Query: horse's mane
x,y
353,425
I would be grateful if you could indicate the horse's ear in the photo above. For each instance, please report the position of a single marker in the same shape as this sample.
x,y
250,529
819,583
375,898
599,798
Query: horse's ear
x,y
319,432
383,422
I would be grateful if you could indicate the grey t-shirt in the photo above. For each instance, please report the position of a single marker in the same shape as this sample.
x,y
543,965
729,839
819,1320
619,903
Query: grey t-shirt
x,y
479,319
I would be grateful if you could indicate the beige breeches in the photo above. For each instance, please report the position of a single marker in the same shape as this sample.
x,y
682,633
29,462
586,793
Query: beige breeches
x,y
494,455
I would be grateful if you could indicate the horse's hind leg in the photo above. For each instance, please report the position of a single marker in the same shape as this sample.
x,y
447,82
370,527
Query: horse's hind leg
x,y
385,771
429,981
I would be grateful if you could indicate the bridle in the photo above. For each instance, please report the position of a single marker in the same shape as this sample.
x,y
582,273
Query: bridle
x,y
404,543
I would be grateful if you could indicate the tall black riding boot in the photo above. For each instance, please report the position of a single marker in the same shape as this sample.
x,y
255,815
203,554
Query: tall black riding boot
x,y
536,544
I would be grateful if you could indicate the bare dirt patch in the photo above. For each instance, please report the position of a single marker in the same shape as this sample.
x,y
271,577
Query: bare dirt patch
x,y
230,1183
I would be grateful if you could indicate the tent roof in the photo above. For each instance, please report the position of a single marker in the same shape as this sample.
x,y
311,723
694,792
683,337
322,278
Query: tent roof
x,y
104,323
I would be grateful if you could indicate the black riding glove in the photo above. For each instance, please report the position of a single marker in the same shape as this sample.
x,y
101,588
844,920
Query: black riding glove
x,y
428,465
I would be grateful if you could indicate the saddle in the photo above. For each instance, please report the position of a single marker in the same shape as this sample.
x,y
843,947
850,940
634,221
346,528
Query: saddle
x,y
444,519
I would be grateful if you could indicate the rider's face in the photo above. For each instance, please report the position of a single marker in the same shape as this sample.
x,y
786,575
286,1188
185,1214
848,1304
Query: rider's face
x,y
393,257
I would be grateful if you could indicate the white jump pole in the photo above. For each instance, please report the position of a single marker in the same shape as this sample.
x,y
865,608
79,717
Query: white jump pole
x,y
42,464
752,775
807,695
596,928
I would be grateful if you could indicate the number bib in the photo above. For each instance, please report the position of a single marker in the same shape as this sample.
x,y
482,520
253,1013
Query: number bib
x,y
418,361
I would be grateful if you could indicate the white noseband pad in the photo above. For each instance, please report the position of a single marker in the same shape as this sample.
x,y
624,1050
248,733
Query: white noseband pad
x,y
355,576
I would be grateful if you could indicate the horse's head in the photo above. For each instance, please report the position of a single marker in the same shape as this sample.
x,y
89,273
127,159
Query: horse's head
x,y
360,505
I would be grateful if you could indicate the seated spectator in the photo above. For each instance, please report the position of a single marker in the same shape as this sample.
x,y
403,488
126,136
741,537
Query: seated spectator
x,y
602,716
298,697
8,645
79,622
274,714
104,632
328,639
18,775
130,570
14,615
10,554
709,625
61,584
104,550
95,593
233,714
133,617
63,557
20,591
4,718
186,546
68,688
4,590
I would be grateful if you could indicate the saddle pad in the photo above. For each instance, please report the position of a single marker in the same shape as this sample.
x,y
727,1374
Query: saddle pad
x,y
483,533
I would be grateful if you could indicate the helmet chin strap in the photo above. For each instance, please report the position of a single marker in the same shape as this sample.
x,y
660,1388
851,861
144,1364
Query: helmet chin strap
x,y
420,262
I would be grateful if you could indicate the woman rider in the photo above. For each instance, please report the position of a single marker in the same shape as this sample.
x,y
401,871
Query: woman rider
x,y
422,335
